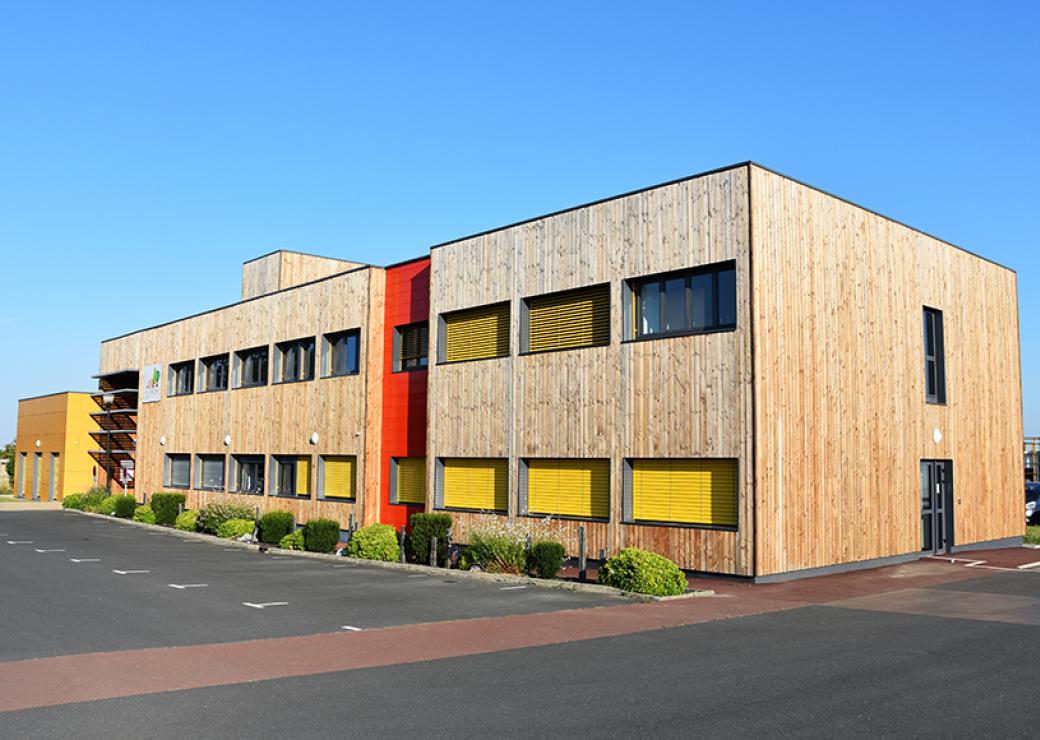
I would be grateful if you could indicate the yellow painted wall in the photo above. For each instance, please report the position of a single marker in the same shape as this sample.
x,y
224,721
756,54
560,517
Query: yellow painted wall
x,y
60,422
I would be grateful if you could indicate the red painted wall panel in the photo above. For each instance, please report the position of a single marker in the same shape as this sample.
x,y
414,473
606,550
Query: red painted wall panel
x,y
404,394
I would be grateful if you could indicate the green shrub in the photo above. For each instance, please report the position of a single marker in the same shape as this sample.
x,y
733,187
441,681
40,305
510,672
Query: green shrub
x,y
166,507
545,558
92,499
374,542
144,514
292,541
274,525
185,521
124,506
107,506
498,547
643,572
321,535
1032,536
73,501
232,529
424,528
215,513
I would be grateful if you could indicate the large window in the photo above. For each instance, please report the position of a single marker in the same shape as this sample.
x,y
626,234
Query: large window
x,y
213,373
475,333
291,475
408,480
295,360
251,365
248,473
340,355
182,379
209,472
476,484
411,347
686,302
934,360
566,487
338,477
701,491
568,320
177,471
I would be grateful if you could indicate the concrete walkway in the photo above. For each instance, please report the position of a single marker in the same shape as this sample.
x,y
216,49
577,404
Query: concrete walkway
x,y
9,503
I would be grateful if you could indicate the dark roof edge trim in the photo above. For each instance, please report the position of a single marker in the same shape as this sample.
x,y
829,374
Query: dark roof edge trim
x,y
55,393
305,254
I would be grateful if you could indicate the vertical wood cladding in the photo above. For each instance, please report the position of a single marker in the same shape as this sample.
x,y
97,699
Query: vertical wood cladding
x,y
677,397
284,269
841,418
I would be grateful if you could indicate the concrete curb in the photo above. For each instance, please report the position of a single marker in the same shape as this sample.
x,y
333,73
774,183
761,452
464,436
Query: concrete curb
x,y
550,583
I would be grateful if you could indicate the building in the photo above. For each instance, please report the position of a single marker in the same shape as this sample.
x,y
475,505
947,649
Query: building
x,y
53,444
739,371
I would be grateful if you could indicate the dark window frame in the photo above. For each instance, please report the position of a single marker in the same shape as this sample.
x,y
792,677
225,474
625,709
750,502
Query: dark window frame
x,y
525,320
280,464
294,360
200,470
245,359
633,331
206,372
239,462
934,356
421,361
178,384
330,352
169,460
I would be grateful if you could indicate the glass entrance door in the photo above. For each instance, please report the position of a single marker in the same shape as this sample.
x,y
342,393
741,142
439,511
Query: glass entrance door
x,y
936,505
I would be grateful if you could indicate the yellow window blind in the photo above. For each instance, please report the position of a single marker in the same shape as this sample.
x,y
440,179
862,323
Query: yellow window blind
x,y
476,483
340,480
303,476
411,480
685,491
579,488
577,318
477,333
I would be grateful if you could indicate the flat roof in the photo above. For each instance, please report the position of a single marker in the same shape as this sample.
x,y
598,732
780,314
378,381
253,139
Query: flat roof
x,y
56,393
305,254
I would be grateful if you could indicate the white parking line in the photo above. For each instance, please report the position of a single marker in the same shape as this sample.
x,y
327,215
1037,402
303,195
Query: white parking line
x,y
418,575
129,572
265,604
1029,565
351,628
85,560
19,542
39,550
183,586
511,588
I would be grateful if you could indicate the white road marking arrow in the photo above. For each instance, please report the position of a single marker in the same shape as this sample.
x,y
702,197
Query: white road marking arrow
x,y
187,585
85,560
129,572
265,605
39,550
19,542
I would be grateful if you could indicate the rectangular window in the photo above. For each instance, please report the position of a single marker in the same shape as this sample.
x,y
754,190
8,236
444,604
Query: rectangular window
x,y
292,475
566,487
682,491
251,367
294,360
475,333
411,347
477,484
567,320
340,353
408,480
213,373
182,379
934,357
209,472
249,473
339,477
693,301
177,473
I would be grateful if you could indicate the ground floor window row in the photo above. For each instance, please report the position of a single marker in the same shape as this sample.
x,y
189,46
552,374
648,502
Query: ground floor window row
x,y
278,475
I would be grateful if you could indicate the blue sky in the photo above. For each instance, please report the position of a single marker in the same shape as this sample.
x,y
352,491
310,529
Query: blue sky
x,y
148,149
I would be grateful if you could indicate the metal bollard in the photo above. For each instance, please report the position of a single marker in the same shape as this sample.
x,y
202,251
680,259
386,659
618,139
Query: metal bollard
x,y
433,552
400,542
582,575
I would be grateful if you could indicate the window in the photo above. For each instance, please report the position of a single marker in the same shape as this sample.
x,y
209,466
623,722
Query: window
x,y
295,361
934,359
249,473
209,472
566,487
340,353
411,347
338,476
475,333
476,484
686,302
177,471
682,491
568,320
213,373
408,480
292,475
251,367
182,379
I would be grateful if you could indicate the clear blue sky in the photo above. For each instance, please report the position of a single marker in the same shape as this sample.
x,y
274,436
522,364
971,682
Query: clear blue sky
x,y
148,149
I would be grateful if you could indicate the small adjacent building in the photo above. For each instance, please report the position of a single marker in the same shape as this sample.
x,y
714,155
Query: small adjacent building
x,y
53,446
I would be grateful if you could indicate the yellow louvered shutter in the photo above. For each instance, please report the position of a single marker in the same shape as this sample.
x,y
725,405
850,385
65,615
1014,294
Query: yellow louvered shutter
x,y
578,488
303,476
480,484
577,318
411,480
340,480
685,491
477,333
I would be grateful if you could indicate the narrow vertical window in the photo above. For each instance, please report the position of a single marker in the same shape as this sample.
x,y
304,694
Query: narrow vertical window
x,y
934,360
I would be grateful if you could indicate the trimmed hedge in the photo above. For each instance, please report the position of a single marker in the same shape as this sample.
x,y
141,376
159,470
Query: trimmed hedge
x,y
232,529
144,514
86,501
107,506
185,521
215,513
274,525
545,559
124,506
321,535
643,572
374,542
292,541
167,506
425,527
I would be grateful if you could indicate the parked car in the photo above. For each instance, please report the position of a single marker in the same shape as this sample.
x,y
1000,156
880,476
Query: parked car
x,y
1032,503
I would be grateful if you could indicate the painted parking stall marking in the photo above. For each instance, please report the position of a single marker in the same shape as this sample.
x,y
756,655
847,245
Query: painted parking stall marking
x,y
352,628
85,560
187,585
129,572
512,588
19,542
265,604
39,550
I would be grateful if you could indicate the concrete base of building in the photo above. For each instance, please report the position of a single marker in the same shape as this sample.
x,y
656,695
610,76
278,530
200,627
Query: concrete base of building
x,y
989,545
